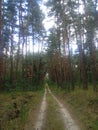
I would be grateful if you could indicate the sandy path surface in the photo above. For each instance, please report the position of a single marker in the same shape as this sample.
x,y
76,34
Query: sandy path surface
x,y
42,112
69,123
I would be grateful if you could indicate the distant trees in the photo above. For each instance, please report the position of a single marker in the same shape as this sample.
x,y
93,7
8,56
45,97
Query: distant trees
x,y
20,29
76,25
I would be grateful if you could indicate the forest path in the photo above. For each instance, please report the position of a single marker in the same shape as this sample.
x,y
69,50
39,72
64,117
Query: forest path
x,y
42,113
36,118
53,115
69,122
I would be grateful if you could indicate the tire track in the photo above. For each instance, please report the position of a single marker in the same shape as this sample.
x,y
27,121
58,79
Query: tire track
x,y
42,112
69,123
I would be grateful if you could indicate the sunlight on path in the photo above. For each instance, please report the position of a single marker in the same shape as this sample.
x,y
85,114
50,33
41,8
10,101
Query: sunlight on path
x,y
41,117
70,124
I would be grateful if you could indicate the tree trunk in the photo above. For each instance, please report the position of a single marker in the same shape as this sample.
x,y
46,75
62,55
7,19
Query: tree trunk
x,y
90,36
70,67
11,57
1,46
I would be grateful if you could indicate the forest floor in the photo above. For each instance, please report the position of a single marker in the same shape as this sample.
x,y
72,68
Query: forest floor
x,y
15,108
52,109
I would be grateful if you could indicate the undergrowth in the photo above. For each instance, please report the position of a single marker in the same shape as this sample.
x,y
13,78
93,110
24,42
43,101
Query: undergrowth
x,y
84,103
15,107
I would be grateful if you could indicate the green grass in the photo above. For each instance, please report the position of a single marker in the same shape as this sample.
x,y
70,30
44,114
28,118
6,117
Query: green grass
x,y
84,105
15,108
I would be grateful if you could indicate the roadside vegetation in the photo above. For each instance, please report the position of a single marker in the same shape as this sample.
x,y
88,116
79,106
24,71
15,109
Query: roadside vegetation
x,y
82,104
15,108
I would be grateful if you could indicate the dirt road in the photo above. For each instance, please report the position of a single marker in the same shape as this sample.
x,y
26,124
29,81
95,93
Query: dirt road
x,y
60,119
69,123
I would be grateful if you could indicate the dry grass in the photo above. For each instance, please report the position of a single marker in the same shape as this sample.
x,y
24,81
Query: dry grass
x,y
15,107
84,104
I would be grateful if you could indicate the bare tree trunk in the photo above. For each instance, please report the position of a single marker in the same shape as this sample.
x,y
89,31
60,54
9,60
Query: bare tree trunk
x,y
32,54
11,57
82,62
70,67
18,51
90,26
1,46
23,43
90,36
